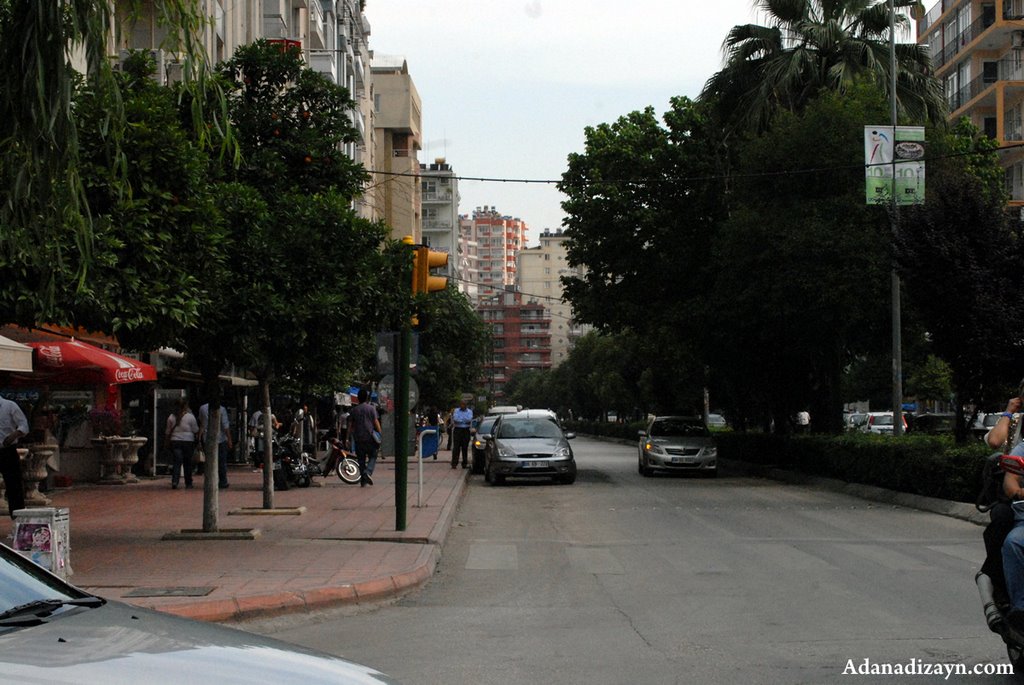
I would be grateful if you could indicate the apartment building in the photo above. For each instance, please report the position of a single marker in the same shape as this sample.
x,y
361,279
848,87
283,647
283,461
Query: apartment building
x,y
440,201
395,188
489,242
332,34
540,270
977,49
520,336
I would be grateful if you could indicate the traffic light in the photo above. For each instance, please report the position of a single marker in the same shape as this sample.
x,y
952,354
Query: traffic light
x,y
426,259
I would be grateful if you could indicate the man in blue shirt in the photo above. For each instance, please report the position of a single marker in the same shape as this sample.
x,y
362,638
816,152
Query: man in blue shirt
x,y
462,419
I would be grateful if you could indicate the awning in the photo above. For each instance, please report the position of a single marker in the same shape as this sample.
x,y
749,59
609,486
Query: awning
x,y
73,361
14,356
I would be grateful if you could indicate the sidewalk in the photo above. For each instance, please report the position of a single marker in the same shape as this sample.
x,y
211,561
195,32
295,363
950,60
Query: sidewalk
x,y
343,548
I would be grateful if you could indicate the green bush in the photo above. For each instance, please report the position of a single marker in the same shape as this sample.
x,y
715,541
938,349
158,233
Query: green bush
x,y
923,465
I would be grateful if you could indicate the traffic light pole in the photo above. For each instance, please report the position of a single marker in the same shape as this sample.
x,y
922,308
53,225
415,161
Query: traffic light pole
x,y
402,425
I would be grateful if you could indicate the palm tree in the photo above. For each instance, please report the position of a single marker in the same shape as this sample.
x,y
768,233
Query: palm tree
x,y
813,45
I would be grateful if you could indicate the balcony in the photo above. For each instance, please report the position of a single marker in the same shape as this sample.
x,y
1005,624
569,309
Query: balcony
x,y
437,225
997,39
324,62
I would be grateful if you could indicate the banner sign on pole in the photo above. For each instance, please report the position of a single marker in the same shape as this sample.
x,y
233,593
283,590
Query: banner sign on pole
x,y
888,154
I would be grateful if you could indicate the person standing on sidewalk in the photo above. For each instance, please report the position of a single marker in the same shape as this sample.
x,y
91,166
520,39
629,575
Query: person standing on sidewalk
x,y
182,429
363,422
462,421
13,427
224,444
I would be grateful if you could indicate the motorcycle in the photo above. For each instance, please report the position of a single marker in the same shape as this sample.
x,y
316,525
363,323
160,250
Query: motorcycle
x,y
295,466
336,460
995,604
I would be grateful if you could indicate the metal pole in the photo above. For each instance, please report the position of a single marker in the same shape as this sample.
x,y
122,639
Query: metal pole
x,y
419,484
897,342
402,426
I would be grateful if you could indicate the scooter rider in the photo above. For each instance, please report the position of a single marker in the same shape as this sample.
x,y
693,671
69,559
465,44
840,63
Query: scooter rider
x,y
1004,436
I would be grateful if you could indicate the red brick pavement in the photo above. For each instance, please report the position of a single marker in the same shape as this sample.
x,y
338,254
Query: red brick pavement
x,y
342,548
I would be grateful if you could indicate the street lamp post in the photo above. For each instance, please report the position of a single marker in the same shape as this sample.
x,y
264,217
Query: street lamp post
x,y
894,278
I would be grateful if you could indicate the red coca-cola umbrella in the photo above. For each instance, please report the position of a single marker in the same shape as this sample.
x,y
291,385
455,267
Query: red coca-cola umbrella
x,y
73,361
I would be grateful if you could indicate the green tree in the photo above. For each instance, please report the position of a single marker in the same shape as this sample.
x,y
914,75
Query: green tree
x,y
958,256
47,233
801,267
310,284
643,200
454,343
808,47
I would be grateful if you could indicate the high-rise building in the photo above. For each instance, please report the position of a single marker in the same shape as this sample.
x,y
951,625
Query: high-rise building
x,y
395,190
440,197
489,241
977,51
540,271
520,337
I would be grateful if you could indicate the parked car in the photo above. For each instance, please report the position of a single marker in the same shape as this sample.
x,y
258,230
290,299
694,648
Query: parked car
x,y
479,445
717,422
881,423
528,447
932,424
52,632
677,444
539,413
984,423
508,409
856,421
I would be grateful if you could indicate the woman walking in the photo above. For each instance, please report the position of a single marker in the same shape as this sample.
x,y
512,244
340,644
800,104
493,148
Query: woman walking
x,y
182,428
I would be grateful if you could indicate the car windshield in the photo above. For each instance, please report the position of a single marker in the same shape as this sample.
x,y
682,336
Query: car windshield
x,y
485,426
884,420
22,583
992,419
528,428
678,428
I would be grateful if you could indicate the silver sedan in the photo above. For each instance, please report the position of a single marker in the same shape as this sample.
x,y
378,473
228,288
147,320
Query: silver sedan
x,y
677,444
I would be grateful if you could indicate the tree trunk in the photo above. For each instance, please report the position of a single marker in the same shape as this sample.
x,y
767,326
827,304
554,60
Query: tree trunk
x,y
211,469
268,447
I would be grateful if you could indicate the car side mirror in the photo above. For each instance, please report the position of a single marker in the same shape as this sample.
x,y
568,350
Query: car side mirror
x,y
570,436
485,436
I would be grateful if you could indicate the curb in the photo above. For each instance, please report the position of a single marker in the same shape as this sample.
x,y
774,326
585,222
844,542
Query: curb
x,y
371,590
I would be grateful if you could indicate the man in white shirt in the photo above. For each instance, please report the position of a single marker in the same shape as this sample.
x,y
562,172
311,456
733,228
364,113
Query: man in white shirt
x,y
13,427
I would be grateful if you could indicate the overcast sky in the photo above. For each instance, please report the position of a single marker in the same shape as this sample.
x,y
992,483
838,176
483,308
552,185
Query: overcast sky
x,y
508,86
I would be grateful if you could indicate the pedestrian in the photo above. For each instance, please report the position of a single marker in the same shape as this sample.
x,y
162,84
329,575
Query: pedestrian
x,y
13,427
364,429
224,442
462,421
448,427
256,432
180,434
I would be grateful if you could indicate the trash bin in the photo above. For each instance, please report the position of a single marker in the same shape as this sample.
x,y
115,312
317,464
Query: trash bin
x,y
429,442
44,535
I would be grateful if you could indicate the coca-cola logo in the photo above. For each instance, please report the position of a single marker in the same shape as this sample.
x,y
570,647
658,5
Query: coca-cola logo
x,y
50,355
128,375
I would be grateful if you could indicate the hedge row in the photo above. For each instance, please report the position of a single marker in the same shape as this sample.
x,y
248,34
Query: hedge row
x,y
921,464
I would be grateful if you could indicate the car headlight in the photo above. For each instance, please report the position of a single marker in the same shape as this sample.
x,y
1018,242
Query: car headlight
x,y
710,451
653,448
561,453
505,453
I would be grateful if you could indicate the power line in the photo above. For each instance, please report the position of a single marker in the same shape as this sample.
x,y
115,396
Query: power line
x,y
695,179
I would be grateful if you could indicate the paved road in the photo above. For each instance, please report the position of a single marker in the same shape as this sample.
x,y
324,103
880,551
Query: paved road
x,y
622,579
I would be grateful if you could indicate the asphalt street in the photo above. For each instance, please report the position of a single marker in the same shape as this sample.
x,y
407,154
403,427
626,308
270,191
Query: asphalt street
x,y
621,578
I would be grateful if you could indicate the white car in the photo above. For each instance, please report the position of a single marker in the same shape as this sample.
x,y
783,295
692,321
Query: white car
x,y
881,423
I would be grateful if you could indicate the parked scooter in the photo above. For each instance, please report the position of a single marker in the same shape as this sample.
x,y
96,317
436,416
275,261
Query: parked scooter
x,y
996,605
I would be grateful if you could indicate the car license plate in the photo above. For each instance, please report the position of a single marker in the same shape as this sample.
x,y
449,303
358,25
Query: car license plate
x,y
684,460
533,464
